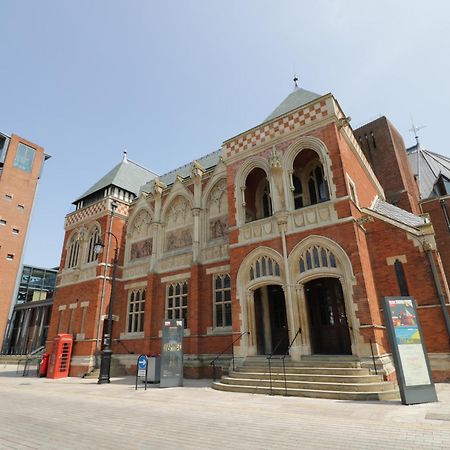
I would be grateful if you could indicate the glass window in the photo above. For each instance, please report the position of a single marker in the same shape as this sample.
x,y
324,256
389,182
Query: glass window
x,y
93,239
222,300
136,306
24,158
177,301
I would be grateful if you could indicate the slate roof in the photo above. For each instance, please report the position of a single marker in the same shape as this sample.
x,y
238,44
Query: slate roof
x,y
126,175
397,214
431,166
207,162
294,100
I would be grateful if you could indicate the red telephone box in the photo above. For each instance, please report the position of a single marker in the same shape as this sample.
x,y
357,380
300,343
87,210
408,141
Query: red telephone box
x,y
59,363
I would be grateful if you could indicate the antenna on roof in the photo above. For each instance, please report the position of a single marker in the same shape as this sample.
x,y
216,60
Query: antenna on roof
x,y
125,159
295,81
416,130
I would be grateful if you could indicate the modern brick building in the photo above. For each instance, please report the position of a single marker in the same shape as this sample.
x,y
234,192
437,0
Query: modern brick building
x,y
21,164
292,226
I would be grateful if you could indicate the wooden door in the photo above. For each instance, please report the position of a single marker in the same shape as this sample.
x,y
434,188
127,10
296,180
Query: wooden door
x,y
329,327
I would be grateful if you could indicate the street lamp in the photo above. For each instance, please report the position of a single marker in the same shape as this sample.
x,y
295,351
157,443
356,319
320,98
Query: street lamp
x,y
106,354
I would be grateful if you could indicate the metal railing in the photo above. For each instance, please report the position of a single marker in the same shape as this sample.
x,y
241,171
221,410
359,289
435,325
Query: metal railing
x,y
125,347
282,358
34,356
213,362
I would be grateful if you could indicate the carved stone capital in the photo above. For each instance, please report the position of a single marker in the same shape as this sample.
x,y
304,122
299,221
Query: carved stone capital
x,y
275,159
197,170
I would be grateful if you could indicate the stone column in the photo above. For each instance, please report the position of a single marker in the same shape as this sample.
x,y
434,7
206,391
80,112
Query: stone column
x,y
266,320
276,188
251,326
197,174
302,308
157,235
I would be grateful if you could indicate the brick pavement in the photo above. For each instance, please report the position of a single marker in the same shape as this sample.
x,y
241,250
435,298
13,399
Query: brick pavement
x,y
74,413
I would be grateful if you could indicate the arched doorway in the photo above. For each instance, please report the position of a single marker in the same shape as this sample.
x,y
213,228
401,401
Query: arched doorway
x,y
328,319
271,320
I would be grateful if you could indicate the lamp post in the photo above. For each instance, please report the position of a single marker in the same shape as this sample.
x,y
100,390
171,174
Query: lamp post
x,y
106,354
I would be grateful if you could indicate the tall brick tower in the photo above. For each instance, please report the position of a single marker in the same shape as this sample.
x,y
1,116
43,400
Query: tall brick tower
x,y
384,148
84,278
21,164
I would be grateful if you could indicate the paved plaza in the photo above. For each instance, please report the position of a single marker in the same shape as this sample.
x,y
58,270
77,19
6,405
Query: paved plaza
x,y
75,413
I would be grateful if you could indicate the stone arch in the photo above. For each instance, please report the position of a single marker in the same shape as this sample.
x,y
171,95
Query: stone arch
x,y
178,223
215,205
139,224
256,162
307,143
94,235
179,190
139,243
244,279
333,262
74,248
337,261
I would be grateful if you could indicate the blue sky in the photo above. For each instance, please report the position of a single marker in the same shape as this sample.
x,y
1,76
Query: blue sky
x,y
169,81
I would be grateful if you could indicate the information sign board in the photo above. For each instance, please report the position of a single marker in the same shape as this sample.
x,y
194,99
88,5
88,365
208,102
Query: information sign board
x,y
142,369
172,353
408,350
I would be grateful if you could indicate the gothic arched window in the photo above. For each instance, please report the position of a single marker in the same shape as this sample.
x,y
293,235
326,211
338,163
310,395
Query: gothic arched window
x,y
73,252
93,239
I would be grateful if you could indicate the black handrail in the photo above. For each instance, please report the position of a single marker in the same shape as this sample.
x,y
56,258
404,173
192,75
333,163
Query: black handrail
x,y
125,347
299,331
373,358
269,359
213,362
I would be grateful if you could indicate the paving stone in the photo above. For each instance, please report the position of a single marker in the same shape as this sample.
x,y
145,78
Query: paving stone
x,y
79,414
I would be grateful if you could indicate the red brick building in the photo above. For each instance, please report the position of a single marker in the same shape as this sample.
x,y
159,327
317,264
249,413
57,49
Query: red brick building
x,y
291,225
21,164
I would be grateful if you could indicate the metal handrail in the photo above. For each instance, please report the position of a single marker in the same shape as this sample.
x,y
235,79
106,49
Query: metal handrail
x,y
299,331
269,359
34,355
283,357
213,362
125,347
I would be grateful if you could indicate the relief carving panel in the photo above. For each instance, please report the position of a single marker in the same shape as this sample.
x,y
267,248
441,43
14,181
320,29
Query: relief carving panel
x,y
141,249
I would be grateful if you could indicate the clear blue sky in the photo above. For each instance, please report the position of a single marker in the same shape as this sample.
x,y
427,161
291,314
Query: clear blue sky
x,y
169,81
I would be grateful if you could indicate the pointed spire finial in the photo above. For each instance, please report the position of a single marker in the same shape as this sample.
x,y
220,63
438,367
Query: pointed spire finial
x,y
125,159
295,81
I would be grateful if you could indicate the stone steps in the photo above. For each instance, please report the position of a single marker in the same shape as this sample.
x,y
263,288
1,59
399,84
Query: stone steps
x,y
306,370
343,378
312,385
336,395
321,377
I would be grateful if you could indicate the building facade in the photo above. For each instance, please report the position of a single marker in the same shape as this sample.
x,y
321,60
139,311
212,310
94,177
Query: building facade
x,y
21,164
286,230
31,314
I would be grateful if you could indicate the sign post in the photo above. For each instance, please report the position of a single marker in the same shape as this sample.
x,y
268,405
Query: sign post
x,y
172,353
142,369
408,350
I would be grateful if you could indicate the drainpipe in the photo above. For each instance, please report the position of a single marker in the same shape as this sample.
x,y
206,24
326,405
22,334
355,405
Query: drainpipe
x,y
440,293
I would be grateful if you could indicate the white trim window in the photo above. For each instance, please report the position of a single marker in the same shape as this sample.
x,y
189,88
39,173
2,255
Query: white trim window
x,y
222,300
177,301
136,306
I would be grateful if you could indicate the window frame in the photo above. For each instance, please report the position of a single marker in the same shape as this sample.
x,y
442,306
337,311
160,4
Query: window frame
x,y
222,302
181,306
136,318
